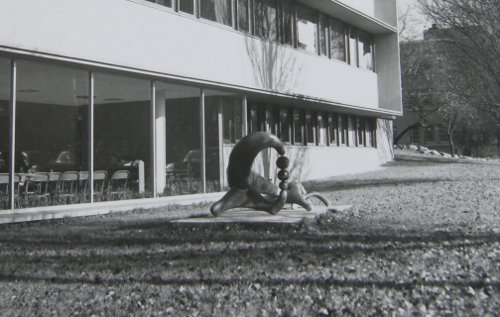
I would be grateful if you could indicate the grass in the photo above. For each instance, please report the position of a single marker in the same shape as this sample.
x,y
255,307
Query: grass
x,y
406,247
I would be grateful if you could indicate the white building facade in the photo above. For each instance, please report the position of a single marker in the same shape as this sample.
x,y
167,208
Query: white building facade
x,y
164,89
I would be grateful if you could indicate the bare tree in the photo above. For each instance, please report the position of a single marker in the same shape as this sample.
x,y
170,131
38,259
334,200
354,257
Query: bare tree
x,y
474,28
413,70
407,24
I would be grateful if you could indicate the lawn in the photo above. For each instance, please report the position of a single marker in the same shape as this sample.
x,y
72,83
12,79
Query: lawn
x,y
420,239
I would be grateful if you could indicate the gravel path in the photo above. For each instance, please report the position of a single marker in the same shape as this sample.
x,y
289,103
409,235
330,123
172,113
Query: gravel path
x,y
422,239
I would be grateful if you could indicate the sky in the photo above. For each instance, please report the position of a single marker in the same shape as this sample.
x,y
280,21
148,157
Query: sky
x,y
418,22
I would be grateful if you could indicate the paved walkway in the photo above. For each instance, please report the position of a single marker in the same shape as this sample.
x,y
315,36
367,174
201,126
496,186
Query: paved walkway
x,y
254,216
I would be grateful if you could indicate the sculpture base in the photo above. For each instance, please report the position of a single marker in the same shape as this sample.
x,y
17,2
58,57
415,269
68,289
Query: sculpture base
x,y
286,215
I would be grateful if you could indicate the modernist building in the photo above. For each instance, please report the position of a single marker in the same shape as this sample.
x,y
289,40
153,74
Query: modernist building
x,y
164,89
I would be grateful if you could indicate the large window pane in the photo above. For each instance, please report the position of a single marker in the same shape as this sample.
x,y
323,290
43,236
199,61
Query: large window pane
x,y
4,131
365,49
122,134
333,130
285,129
187,6
321,126
360,131
51,133
288,22
369,129
266,19
256,116
183,146
307,28
232,125
223,114
243,15
298,127
342,128
337,40
272,119
351,126
311,127
4,114
323,35
166,3
216,10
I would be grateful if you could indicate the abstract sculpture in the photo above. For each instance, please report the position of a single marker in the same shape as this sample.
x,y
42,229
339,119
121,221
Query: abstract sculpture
x,y
251,190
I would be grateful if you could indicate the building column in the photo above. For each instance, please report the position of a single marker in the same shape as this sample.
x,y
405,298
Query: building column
x,y
160,140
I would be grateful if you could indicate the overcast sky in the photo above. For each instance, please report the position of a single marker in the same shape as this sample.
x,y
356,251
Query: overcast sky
x,y
417,20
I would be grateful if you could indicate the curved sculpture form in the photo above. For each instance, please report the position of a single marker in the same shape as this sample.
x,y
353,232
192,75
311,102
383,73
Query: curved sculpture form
x,y
241,193
248,189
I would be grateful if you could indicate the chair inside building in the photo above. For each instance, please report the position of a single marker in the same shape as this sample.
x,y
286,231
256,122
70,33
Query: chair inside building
x,y
117,186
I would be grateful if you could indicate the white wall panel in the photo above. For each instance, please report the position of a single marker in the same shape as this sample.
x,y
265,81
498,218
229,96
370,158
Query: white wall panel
x,y
147,37
365,6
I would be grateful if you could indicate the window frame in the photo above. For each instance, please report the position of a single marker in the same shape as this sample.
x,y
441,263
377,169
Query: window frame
x,y
231,12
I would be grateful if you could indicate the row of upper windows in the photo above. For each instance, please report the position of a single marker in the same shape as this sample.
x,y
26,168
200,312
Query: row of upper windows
x,y
307,127
286,22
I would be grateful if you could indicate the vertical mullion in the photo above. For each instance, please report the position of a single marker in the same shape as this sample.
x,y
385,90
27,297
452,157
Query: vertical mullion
x,y
202,138
327,34
357,47
251,17
347,45
196,8
244,119
90,132
318,33
234,12
12,133
152,138
220,125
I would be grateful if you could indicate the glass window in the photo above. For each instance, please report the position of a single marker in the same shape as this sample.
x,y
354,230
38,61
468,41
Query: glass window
x,y
442,134
285,128
272,119
370,127
353,47
323,35
337,40
243,15
322,121
252,117
166,3
4,113
232,119
4,131
429,135
266,19
256,117
122,134
365,49
360,131
186,6
311,127
51,132
216,10
307,28
288,22
351,131
182,129
333,129
414,135
343,130
298,127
